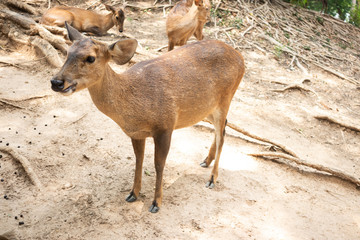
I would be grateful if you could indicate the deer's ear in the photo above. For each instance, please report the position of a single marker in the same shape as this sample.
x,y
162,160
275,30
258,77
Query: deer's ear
x,y
122,51
73,34
110,8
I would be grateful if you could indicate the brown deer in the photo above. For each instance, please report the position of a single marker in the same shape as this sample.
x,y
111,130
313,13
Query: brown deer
x,y
155,97
85,20
185,19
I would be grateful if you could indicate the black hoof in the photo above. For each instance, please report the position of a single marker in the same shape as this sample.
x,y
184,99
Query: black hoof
x,y
154,208
203,164
210,184
131,197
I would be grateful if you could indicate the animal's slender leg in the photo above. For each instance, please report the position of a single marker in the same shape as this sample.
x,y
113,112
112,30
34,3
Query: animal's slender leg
x,y
211,156
219,124
139,148
162,145
171,45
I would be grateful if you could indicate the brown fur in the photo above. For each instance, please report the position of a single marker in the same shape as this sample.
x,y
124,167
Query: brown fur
x,y
154,97
85,20
187,18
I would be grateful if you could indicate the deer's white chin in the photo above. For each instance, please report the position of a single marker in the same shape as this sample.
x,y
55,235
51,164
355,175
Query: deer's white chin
x,y
70,90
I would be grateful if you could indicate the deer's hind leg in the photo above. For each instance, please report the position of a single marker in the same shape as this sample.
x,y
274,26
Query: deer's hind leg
x,y
218,119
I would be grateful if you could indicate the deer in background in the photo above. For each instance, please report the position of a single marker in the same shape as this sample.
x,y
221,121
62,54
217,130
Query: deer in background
x,y
85,20
185,19
155,97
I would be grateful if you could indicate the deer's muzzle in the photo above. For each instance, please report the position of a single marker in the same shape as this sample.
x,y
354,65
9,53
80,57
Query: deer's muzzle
x,y
59,86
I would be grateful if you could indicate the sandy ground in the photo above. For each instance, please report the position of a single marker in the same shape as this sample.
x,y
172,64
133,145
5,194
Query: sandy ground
x,y
86,162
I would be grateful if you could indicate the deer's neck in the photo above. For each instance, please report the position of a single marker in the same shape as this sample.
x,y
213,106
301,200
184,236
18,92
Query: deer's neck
x,y
107,93
107,22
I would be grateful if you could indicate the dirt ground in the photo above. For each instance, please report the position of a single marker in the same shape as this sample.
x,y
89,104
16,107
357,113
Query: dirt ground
x,y
86,163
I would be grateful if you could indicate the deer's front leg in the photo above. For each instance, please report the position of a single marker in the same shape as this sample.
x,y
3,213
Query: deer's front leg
x,y
162,145
139,148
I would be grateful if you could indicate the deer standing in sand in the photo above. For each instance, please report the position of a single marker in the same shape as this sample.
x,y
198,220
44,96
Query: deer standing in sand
x,y
185,19
157,96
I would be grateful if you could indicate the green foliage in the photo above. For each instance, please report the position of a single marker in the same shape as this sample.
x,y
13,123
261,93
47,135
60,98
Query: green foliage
x,y
336,8
225,18
237,23
355,16
278,51
320,20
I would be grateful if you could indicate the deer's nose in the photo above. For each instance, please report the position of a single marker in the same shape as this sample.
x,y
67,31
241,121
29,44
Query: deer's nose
x,y
121,30
57,85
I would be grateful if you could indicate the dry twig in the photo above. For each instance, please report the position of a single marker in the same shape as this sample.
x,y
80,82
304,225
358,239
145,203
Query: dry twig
x,y
11,64
25,164
8,103
262,139
342,122
22,6
334,172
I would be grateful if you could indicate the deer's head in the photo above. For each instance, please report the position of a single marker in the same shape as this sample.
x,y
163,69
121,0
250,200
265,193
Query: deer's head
x,y
118,16
86,61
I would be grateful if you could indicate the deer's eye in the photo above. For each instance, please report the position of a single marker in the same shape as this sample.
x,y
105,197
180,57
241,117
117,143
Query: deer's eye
x,y
117,18
90,59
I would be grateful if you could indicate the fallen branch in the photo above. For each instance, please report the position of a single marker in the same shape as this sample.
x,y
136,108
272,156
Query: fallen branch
x,y
340,75
342,122
22,6
286,49
36,28
334,172
7,103
301,67
47,50
246,133
56,30
77,120
25,164
24,99
295,86
11,64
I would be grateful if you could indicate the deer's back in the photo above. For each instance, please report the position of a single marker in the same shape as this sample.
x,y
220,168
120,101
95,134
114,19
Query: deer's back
x,y
184,86
181,23
78,17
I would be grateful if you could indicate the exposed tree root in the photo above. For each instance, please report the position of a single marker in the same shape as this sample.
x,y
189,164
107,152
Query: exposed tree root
x,y
35,28
261,139
11,64
9,104
342,122
25,164
286,49
334,172
56,30
45,45
47,50
338,74
77,120
22,6
295,86
24,99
